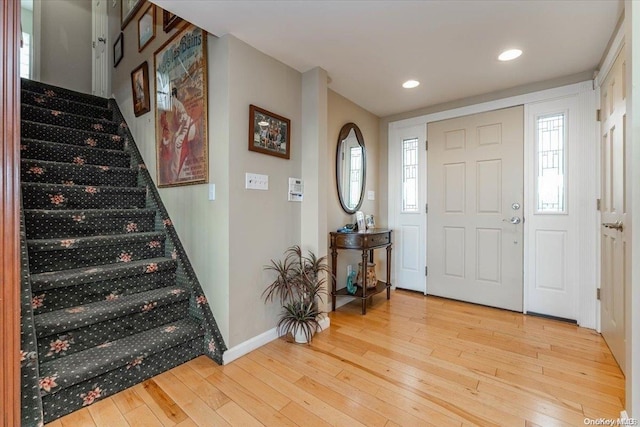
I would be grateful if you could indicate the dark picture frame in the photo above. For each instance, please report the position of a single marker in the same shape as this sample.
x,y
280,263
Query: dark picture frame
x,y
140,89
118,50
169,20
146,27
180,69
128,9
269,133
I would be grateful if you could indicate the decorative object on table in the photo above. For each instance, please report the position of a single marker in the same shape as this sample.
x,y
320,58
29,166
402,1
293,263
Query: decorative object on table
x,y
370,222
169,20
146,27
140,89
351,283
269,133
181,108
299,284
348,228
372,280
128,9
351,168
118,50
360,221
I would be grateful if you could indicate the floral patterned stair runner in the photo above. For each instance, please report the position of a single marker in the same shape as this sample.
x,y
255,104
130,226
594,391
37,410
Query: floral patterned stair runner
x,y
109,297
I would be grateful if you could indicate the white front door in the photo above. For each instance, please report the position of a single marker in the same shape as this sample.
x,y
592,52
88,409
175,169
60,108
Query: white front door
x,y
475,196
99,81
614,233
407,154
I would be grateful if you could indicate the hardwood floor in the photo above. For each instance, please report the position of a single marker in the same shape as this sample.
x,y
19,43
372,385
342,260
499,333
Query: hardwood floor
x,y
411,361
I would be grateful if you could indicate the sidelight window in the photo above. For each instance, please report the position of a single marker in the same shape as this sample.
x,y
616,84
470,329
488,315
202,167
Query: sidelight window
x,y
410,175
551,142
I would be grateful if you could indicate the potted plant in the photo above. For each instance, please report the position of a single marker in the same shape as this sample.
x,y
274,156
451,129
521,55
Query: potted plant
x,y
299,285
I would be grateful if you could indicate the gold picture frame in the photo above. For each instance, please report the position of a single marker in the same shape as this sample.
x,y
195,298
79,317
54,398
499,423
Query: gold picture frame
x,y
180,70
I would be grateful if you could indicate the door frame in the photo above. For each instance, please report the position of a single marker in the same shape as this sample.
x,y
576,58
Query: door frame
x,y
9,218
587,311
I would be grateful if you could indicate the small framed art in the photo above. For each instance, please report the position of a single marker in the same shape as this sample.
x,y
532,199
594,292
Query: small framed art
x,y
169,20
146,27
269,133
118,50
140,89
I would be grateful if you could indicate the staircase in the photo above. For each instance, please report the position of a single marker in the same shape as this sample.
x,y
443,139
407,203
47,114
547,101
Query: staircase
x,y
109,297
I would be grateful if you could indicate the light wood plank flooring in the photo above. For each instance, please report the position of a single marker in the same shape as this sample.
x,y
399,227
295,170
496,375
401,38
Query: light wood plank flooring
x,y
411,361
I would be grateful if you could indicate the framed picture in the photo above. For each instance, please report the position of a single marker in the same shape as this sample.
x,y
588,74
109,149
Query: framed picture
x,y
181,108
146,27
118,50
360,221
140,89
269,133
128,9
169,20
369,221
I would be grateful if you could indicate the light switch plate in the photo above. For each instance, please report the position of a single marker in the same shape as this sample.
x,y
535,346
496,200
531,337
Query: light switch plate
x,y
255,181
371,195
212,191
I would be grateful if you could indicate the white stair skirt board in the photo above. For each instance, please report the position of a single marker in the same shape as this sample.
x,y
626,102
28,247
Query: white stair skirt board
x,y
258,341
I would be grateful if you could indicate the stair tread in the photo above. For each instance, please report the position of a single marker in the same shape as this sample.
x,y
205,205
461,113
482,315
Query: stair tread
x,y
63,93
92,241
100,188
129,351
71,101
75,146
96,312
64,129
50,163
72,115
88,212
55,279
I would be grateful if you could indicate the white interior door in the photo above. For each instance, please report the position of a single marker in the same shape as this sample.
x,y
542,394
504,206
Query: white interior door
x,y
475,196
614,235
407,154
99,81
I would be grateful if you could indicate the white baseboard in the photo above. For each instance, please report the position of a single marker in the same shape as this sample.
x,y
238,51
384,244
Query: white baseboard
x,y
258,341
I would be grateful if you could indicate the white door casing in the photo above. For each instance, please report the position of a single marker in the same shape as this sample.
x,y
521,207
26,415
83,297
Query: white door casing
x,y
100,63
613,231
552,264
475,179
409,223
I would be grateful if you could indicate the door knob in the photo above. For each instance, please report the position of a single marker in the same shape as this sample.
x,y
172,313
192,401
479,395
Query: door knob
x,y
102,39
513,220
618,225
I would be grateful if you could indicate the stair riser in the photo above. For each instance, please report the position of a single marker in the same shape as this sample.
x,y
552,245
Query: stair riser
x,y
65,259
48,300
69,399
65,105
45,132
61,174
79,197
54,92
83,224
100,333
66,153
59,118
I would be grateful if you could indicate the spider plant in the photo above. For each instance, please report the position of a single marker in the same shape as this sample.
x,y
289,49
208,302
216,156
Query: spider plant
x,y
299,285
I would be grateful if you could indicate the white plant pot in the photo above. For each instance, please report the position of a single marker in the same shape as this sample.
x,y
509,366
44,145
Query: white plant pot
x,y
299,336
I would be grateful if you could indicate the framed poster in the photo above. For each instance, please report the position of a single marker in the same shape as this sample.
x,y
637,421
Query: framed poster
x,y
128,9
181,108
140,89
269,133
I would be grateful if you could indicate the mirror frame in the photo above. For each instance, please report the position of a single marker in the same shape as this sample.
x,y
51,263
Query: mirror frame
x,y
344,132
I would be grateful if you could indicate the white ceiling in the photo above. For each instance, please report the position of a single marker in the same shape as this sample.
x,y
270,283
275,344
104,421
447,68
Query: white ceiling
x,y
369,48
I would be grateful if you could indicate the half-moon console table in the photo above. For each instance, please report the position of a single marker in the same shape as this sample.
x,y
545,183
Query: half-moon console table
x,y
365,241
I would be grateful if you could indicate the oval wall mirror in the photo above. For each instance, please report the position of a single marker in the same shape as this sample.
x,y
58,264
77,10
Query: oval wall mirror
x,y
351,167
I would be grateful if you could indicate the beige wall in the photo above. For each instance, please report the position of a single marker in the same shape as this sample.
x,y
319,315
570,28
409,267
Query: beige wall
x,y
65,43
341,112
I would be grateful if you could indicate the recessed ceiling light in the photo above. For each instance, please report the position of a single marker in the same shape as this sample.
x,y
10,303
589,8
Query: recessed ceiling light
x,y
510,54
410,84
